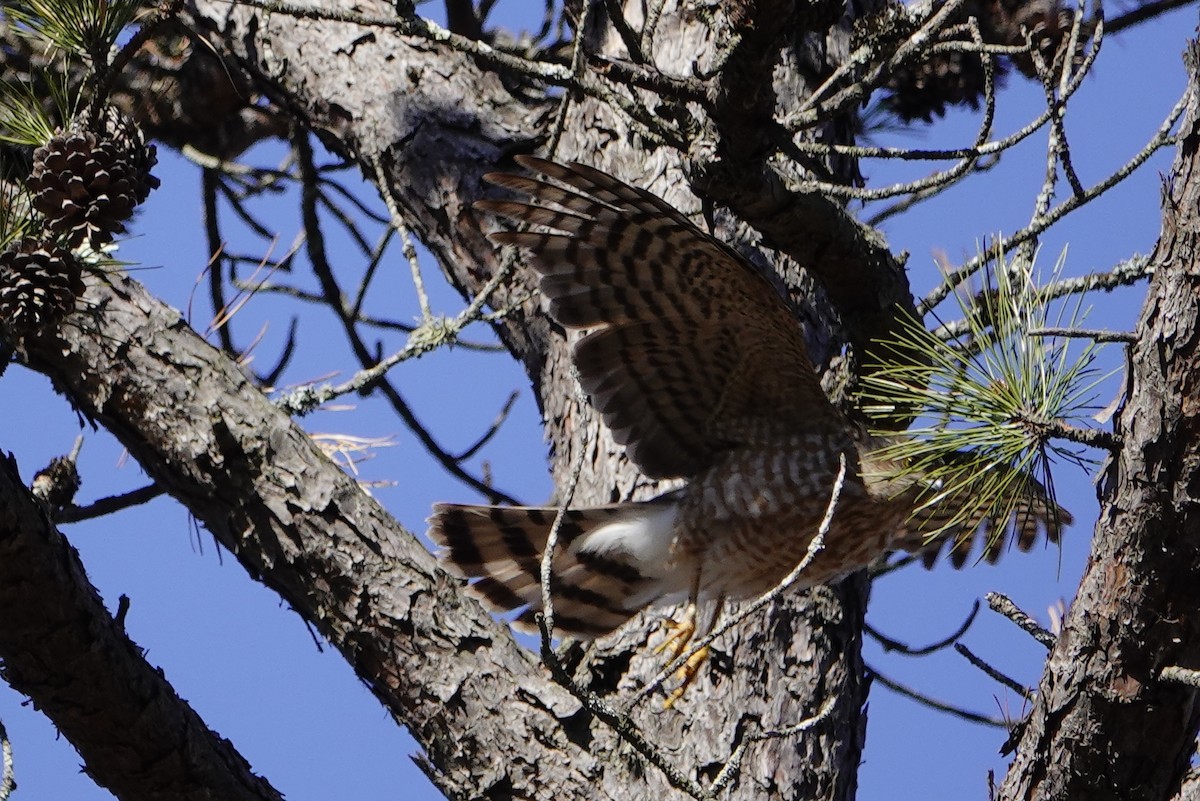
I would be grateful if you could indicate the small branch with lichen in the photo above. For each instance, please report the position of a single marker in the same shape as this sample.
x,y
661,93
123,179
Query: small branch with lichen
x,y
434,333
1057,429
1094,334
1162,138
1002,604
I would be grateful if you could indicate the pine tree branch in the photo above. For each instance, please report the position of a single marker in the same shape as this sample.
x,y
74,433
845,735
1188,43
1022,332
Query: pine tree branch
x,y
300,524
60,647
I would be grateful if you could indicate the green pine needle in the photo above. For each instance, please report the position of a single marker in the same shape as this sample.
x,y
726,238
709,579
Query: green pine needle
x,y
84,27
16,213
24,119
985,402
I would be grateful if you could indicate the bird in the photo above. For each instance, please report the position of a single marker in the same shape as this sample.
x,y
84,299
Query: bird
x,y
696,364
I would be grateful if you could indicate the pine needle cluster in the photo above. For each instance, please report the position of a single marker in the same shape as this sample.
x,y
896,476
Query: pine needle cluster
x,y
992,398
88,28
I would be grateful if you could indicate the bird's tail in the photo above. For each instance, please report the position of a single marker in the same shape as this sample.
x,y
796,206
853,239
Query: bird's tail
x,y
608,565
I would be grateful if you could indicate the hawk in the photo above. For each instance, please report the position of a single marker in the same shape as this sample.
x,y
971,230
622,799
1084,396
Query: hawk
x,y
695,363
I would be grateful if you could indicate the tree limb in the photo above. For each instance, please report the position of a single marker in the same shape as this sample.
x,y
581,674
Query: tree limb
x,y
60,647
303,527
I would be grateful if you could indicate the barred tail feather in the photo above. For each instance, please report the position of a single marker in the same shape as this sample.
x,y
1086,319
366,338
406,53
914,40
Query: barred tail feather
x,y
609,562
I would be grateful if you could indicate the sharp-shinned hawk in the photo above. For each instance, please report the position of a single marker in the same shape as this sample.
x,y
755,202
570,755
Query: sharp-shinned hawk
x,y
696,364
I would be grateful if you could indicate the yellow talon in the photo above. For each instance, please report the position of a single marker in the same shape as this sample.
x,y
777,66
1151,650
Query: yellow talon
x,y
679,635
686,675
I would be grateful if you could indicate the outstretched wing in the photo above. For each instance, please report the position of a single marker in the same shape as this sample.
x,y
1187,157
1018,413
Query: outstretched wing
x,y
690,349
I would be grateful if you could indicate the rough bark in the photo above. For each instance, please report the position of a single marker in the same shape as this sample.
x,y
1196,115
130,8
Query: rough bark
x,y
59,646
298,523
1105,725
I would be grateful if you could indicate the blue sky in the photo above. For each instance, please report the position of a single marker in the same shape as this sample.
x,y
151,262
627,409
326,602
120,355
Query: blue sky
x,y
251,668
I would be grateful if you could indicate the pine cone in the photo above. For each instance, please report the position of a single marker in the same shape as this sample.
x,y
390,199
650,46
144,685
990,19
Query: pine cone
x,y
925,89
86,186
38,286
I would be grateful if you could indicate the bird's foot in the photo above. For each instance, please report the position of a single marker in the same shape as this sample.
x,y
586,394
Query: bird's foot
x,y
679,636
686,675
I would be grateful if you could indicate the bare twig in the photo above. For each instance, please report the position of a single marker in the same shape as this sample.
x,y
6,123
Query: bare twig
x,y
434,333
409,250
108,505
264,286
1144,13
689,89
1003,605
733,765
546,574
933,703
619,722
216,283
993,672
905,203
425,338
633,45
890,644
493,429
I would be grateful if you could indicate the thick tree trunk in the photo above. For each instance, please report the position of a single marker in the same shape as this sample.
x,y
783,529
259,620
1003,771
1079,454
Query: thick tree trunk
x,y
1106,725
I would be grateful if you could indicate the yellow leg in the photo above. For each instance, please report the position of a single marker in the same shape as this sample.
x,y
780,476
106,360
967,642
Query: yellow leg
x,y
679,636
679,632
686,675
